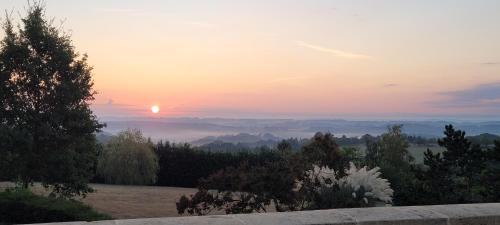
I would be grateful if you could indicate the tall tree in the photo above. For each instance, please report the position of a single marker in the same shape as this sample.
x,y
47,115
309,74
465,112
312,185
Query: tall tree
x,y
128,158
47,127
457,170
491,177
390,153
323,150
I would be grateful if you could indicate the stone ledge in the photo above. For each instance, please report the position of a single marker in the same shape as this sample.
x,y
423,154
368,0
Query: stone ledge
x,y
466,214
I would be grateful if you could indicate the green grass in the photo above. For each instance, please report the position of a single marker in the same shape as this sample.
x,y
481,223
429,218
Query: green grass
x,y
417,151
22,206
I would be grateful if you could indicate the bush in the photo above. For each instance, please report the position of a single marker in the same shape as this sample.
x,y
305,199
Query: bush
x,y
22,206
361,187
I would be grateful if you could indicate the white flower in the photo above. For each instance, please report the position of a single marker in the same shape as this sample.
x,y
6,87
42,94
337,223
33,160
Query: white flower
x,y
374,186
370,180
323,175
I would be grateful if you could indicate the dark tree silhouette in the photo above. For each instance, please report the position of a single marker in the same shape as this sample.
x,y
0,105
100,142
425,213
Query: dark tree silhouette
x,y
323,150
47,128
454,176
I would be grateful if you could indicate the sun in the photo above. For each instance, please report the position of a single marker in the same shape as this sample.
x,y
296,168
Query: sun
x,y
155,109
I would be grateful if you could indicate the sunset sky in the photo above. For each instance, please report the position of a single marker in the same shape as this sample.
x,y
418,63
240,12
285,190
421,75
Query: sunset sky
x,y
287,58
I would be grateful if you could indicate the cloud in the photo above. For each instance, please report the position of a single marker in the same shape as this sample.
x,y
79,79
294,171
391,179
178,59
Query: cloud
x,y
480,96
335,52
390,85
491,63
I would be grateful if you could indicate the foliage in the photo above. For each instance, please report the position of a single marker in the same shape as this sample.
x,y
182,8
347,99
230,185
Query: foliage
x,y
22,206
353,154
390,153
283,183
322,150
128,158
46,125
491,176
182,165
453,176
245,189
360,187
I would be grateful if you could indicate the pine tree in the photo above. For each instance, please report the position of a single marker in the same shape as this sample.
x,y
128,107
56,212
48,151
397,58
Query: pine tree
x,y
455,174
491,177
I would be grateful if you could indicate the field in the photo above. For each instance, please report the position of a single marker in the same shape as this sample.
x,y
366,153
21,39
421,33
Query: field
x,y
417,151
125,202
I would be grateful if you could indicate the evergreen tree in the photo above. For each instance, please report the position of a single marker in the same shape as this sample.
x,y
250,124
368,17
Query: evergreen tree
x,y
47,128
454,176
491,177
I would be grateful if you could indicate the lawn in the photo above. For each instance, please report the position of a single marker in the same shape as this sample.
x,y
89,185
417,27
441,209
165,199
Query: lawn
x,y
125,202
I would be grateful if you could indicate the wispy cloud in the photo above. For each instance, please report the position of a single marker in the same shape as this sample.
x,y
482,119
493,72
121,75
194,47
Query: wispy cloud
x,y
479,96
491,63
390,85
335,52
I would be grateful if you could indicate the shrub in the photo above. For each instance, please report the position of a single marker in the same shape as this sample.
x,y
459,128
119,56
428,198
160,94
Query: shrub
x,y
246,188
360,187
22,206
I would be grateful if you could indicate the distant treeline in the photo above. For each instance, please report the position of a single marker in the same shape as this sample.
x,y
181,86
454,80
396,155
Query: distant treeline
x,y
297,143
183,165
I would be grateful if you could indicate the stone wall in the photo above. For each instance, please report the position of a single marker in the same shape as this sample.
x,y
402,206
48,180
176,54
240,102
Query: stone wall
x,y
466,214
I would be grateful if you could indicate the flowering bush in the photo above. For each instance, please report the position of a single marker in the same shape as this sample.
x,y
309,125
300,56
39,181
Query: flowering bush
x,y
360,187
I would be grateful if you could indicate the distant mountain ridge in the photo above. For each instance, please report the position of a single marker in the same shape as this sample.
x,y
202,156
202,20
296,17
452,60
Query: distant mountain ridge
x,y
193,129
240,138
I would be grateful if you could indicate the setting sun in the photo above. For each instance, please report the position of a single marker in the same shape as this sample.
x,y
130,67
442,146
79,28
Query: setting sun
x,y
155,109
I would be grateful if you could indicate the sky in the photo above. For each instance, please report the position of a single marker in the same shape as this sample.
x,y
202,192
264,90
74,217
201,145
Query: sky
x,y
285,58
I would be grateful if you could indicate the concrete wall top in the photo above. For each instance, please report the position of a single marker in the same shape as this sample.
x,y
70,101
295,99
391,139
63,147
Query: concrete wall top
x,y
465,214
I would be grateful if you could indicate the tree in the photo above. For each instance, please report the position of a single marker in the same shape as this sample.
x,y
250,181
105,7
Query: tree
x,y
491,178
128,158
47,127
322,150
390,153
454,176
246,189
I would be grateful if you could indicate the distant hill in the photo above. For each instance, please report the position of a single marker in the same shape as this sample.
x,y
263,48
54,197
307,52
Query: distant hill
x,y
103,137
265,139
484,139
245,141
196,129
